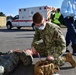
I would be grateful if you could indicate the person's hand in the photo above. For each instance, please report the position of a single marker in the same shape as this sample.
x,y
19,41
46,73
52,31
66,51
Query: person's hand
x,y
50,57
29,51
34,51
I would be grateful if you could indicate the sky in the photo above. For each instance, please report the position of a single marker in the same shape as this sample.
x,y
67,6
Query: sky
x,y
11,7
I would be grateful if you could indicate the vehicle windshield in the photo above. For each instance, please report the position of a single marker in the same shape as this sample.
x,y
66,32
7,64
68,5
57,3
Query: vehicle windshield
x,y
16,17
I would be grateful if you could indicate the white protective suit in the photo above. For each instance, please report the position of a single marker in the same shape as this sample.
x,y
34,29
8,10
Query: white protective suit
x,y
68,8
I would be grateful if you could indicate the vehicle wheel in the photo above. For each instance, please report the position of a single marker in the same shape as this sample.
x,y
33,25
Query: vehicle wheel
x,y
33,26
18,27
9,26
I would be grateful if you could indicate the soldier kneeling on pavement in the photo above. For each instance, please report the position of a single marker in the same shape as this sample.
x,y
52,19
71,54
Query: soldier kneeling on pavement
x,y
49,41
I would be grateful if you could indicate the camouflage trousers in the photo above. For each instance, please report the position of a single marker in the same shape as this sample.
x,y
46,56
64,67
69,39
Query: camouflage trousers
x,y
9,61
44,52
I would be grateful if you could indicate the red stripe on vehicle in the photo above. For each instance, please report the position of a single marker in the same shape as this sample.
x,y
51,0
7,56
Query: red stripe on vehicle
x,y
22,21
25,20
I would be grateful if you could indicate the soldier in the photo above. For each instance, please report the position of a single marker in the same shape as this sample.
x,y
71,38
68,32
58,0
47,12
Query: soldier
x,y
57,16
10,60
49,40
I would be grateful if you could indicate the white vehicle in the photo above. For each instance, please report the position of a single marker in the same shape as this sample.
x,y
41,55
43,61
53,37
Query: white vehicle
x,y
24,19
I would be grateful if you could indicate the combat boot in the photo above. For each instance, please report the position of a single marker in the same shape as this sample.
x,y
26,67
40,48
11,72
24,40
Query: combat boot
x,y
69,58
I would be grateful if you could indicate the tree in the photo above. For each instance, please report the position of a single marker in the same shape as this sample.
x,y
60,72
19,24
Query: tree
x,y
9,17
2,14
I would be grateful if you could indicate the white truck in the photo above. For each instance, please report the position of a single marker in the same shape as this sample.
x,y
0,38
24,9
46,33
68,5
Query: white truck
x,y
24,19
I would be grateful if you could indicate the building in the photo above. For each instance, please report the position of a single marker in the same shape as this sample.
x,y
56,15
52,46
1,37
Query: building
x,y
2,21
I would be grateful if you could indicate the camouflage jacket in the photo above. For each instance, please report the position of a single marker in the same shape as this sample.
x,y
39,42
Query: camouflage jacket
x,y
9,61
49,41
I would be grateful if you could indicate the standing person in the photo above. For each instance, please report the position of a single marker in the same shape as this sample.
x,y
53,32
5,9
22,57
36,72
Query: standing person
x,y
57,15
68,10
49,40
52,15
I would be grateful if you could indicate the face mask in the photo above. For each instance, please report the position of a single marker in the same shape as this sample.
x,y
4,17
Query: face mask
x,y
42,27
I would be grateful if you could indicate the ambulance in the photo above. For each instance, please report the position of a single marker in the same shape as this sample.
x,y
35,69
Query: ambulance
x,y
24,19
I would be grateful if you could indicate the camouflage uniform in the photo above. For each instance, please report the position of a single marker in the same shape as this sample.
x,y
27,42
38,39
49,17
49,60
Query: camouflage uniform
x,y
25,58
10,60
49,41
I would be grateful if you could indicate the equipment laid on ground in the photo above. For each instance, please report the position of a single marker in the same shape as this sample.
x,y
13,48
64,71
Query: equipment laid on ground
x,y
44,67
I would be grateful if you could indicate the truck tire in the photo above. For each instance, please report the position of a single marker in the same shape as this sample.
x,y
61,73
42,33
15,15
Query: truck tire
x,y
9,25
33,26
